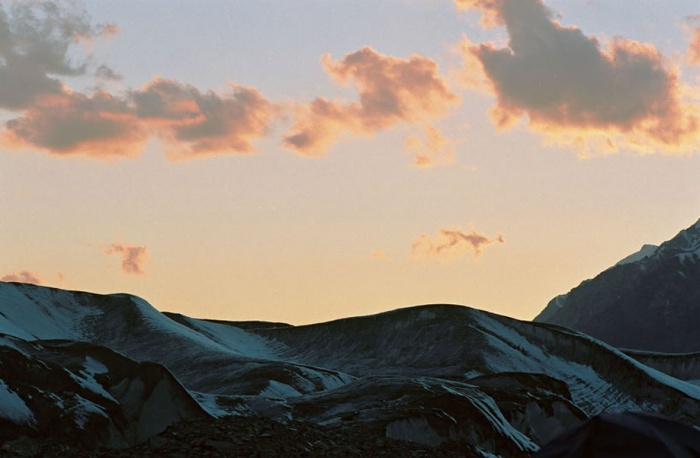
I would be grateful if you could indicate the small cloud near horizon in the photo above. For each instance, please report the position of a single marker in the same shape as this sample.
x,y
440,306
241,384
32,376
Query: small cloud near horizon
x,y
452,243
133,257
23,276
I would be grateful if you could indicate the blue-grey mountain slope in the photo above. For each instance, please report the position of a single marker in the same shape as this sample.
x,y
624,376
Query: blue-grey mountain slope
x,y
431,374
648,301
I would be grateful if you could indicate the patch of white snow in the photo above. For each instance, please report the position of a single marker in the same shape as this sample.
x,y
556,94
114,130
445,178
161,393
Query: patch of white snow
x,y
12,407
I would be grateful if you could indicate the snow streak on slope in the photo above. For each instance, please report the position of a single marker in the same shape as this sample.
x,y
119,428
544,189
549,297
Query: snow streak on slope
x,y
646,251
591,388
456,342
229,336
13,407
31,312
207,357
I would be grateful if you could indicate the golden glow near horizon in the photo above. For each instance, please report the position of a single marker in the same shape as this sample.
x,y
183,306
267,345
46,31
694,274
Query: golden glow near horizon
x,y
311,161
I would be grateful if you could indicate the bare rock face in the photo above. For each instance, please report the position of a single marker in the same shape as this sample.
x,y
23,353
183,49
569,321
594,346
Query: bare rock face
x,y
648,301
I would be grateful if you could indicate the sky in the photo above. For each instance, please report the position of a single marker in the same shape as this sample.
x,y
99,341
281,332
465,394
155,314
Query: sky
x,y
312,160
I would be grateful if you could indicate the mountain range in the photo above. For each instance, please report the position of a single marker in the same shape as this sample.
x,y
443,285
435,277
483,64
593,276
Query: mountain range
x,y
85,370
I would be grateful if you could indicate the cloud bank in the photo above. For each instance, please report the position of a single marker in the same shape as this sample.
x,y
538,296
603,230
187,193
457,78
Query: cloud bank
x,y
452,243
572,88
35,39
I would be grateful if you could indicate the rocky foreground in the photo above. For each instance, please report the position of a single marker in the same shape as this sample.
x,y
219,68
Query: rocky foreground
x,y
242,437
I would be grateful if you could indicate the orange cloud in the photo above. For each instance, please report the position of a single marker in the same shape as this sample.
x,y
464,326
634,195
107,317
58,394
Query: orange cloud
x,y
391,90
133,257
452,242
575,91
195,123
23,276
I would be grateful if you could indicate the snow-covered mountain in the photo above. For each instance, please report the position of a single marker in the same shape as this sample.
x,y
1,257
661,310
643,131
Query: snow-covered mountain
x,y
431,374
648,301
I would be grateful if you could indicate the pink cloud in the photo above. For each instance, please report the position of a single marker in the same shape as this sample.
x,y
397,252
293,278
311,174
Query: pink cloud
x,y
452,242
391,91
133,257
23,276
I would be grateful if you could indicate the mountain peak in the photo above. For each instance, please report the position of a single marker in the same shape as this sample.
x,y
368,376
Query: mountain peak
x,y
647,301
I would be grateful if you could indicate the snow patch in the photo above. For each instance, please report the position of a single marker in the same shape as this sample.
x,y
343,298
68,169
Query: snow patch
x,y
646,251
12,407
41,313
87,380
83,410
235,339
277,389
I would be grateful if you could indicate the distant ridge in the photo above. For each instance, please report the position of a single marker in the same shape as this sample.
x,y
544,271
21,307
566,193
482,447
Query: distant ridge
x,y
114,371
650,300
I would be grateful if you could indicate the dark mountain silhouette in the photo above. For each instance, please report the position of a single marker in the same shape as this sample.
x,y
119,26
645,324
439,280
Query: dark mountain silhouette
x,y
648,301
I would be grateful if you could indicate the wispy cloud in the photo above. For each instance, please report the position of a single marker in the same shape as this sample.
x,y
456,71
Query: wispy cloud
x,y
391,91
452,243
573,89
133,257
430,150
381,255
35,39
23,276
693,29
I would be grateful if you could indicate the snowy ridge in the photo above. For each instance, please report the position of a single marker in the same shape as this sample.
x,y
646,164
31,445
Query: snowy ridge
x,y
646,251
232,338
430,374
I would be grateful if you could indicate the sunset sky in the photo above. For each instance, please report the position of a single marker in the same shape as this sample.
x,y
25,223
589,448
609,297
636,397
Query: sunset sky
x,y
311,160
